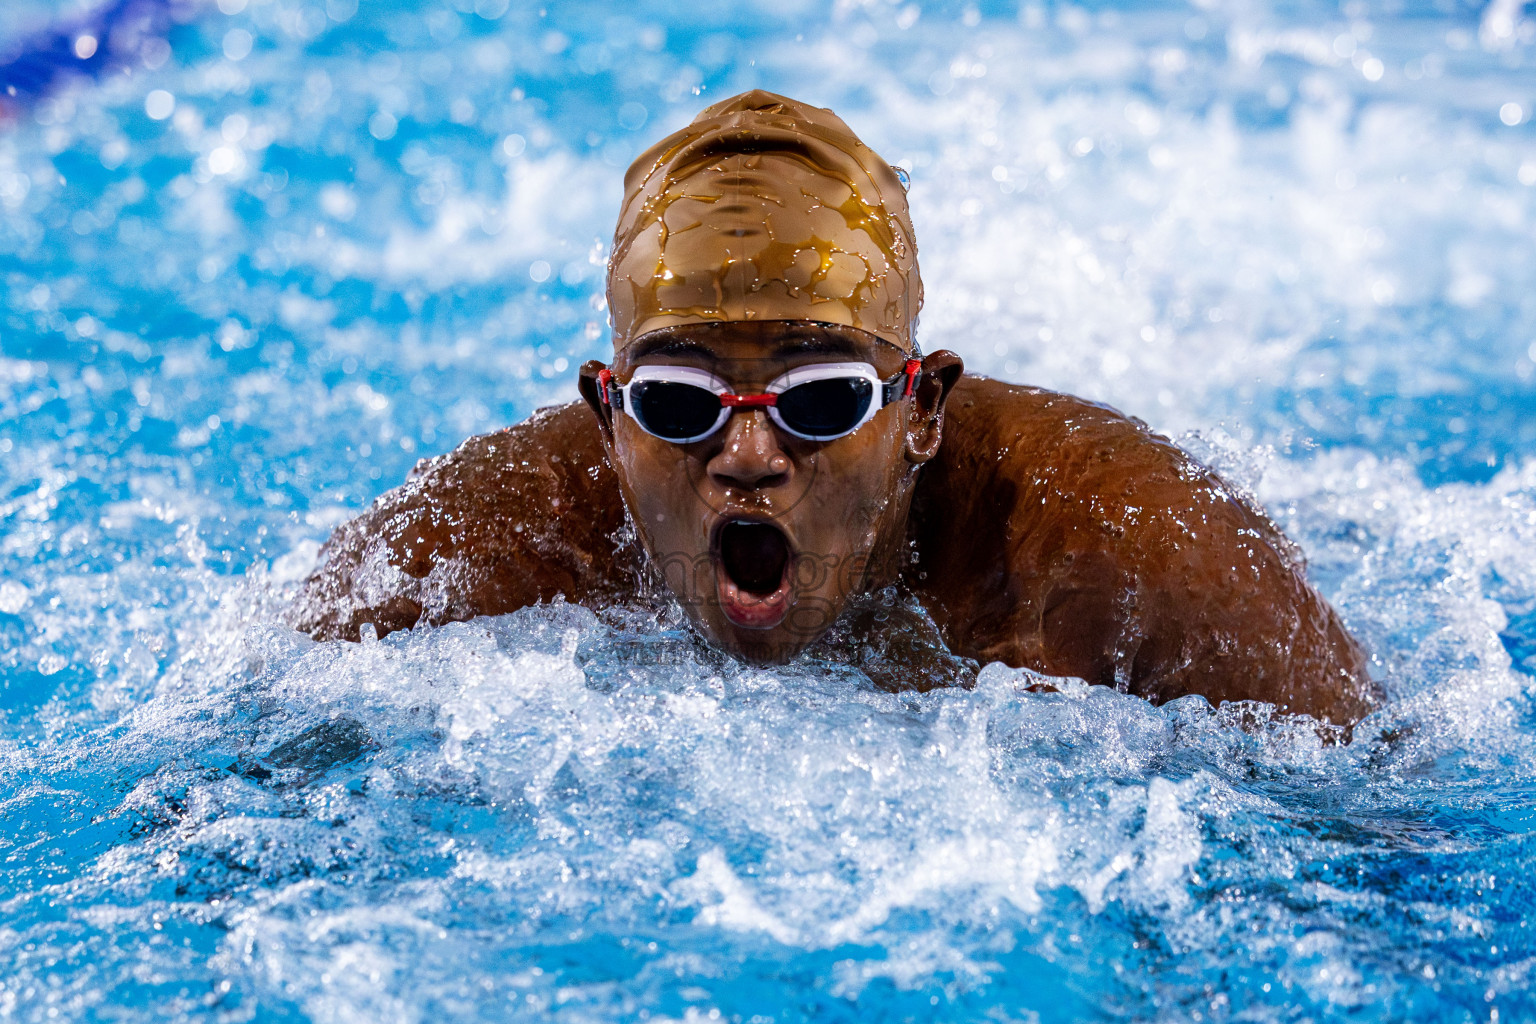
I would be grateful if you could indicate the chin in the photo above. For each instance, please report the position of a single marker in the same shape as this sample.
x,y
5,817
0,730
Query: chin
x,y
758,647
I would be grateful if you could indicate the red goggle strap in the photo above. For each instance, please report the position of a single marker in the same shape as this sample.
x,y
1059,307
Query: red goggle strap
x,y
914,367
737,401
604,378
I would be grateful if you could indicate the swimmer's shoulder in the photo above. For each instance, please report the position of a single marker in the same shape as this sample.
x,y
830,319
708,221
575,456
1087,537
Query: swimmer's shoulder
x,y
991,423
555,454
1029,446
506,519
1016,450
1058,533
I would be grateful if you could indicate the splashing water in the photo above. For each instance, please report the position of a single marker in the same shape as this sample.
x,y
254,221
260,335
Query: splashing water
x,y
256,257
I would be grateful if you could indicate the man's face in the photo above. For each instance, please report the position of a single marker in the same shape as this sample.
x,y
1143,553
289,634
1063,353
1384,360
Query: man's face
x,y
761,535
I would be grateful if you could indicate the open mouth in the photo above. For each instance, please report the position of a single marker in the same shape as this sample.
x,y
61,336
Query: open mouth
x,y
753,573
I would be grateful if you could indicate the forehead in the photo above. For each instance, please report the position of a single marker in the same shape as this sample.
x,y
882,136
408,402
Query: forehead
x,y
747,341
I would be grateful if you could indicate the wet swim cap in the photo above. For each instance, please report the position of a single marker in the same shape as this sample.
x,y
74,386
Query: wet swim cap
x,y
764,209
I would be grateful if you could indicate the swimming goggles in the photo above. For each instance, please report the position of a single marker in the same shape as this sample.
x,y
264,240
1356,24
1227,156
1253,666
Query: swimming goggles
x,y
815,402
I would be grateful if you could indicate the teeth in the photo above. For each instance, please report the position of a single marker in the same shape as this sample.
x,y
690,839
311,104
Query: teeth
x,y
754,611
748,598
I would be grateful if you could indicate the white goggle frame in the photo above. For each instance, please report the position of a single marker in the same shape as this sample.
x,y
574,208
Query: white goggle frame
x,y
882,393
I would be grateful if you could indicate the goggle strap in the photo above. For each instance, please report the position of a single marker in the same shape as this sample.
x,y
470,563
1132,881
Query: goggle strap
x,y
904,383
611,395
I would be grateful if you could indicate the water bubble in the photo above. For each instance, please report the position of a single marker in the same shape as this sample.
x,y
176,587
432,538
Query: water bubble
x,y
382,126
632,116
338,201
159,104
85,47
224,160
237,44
309,23
538,270
13,596
14,187
113,154
154,53
232,335
1511,114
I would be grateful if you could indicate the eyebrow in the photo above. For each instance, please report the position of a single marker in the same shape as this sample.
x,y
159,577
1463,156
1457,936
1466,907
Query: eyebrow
x,y
794,345
829,343
672,346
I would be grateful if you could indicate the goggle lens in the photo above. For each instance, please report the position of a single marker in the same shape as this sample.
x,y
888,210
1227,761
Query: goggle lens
x,y
824,409
674,411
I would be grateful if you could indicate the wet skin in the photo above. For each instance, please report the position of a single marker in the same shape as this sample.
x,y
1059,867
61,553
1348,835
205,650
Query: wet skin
x,y
1037,529
831,514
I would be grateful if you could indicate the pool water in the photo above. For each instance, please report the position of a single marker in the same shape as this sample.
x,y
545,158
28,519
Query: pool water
x,y
258,257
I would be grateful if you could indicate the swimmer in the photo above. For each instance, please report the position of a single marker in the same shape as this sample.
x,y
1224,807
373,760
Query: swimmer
x,y
769,447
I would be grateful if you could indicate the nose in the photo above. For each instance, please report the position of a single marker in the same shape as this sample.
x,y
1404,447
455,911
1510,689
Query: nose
x,y
750,458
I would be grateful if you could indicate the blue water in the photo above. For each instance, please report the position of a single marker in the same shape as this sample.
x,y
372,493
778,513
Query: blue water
x,y
257,257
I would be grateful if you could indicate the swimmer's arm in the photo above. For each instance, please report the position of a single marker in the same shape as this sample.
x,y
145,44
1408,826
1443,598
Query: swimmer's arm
x,y
1236,620
1214,600
504,521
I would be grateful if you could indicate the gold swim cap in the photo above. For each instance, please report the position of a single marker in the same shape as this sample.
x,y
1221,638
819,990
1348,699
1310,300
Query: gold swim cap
x,y
764,209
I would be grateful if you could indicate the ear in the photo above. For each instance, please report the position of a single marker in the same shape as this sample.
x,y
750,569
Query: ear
x,y
587,384
925,423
